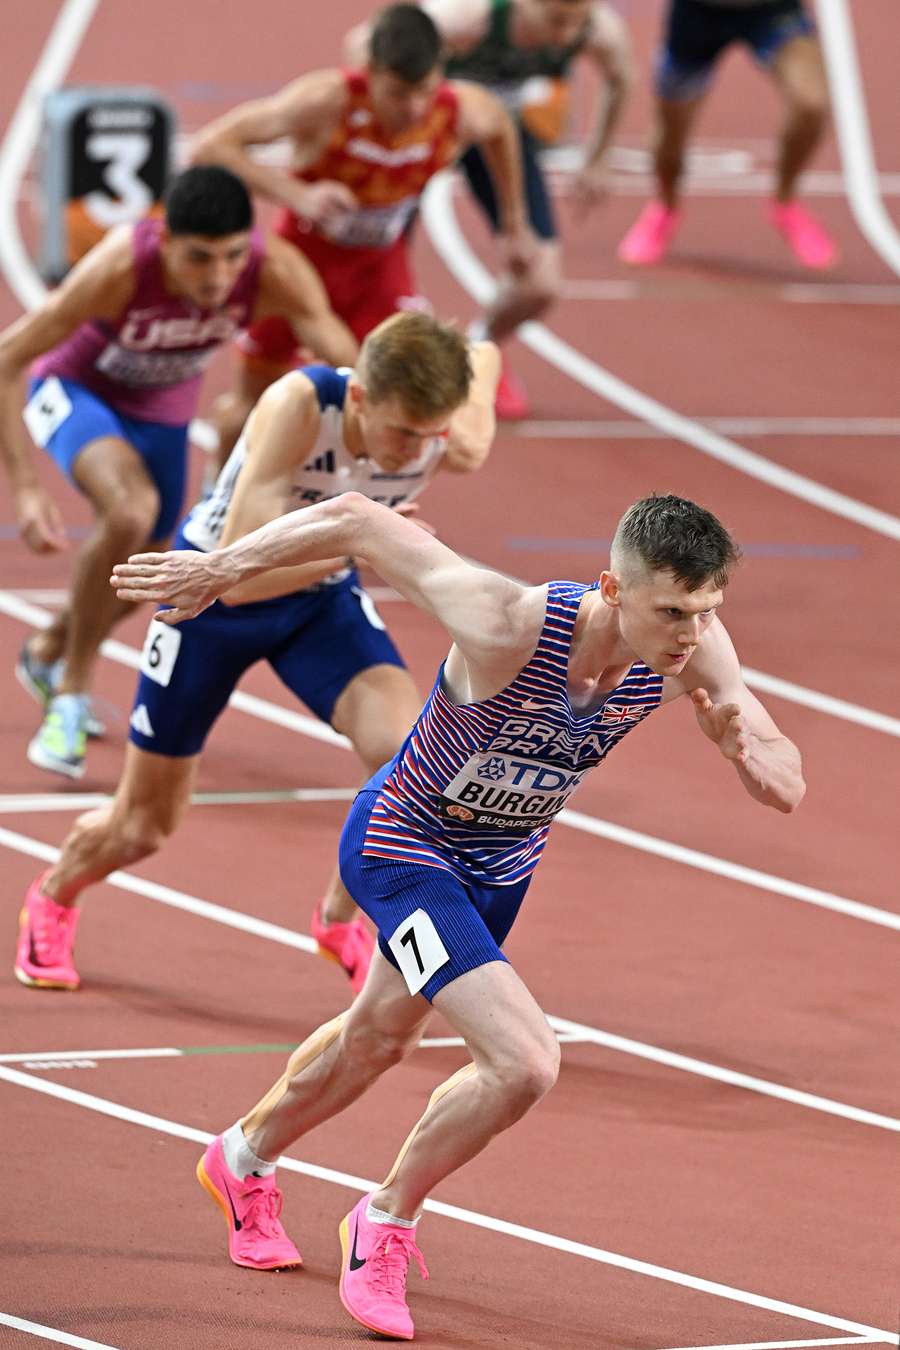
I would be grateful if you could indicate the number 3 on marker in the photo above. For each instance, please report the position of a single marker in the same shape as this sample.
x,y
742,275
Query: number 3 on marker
x,y
418,950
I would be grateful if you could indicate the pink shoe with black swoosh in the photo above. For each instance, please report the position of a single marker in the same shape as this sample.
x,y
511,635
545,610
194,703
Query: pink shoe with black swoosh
x,y
251,1207
375,1262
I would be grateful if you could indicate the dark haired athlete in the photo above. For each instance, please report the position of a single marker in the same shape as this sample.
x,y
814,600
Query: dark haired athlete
x,y
366,141
122,345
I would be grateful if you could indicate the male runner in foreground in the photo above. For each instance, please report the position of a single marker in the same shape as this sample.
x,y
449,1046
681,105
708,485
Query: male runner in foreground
x,y
539,685
121,347
420,400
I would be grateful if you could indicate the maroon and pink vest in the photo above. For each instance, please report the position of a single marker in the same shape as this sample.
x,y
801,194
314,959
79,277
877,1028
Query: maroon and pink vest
x,y
149,362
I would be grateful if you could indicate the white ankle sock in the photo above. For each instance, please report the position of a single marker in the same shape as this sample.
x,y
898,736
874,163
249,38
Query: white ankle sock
x,y
379,1216
240,1159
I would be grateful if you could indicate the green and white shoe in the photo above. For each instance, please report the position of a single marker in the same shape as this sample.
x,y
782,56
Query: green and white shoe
x,y
59,745
41,680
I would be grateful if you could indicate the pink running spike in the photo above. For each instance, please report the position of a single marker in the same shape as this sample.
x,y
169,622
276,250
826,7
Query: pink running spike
x,y
648,240
375,1261
44,955
806,237
349,944
251,1207
511,399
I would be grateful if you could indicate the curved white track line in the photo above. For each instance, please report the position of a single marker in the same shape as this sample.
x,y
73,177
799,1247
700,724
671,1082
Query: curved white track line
x,y
453,249
852,126
19,142
467,1216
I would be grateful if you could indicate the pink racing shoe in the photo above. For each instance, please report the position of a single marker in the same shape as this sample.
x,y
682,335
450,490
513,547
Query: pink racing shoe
x,y
511,399
349,944
373,1272
806,237
44,956
251,1207
648,240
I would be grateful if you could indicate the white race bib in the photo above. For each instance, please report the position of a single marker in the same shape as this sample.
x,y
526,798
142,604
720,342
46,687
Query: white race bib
x,y
46,410
160,651
418,950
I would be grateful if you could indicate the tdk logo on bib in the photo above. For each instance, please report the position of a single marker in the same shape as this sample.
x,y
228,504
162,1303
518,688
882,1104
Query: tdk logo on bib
x,y
507,793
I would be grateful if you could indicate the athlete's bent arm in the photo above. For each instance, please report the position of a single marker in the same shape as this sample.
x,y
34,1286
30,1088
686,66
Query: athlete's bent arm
x,y
491,619
98,287
473,426
305,110
279,436
290,286
767,763
609,47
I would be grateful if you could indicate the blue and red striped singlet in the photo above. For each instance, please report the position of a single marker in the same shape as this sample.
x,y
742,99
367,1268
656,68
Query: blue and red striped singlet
x,y
475,787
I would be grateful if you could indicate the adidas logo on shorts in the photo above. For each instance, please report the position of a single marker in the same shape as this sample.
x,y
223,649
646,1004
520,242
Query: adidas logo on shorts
x,y
140,720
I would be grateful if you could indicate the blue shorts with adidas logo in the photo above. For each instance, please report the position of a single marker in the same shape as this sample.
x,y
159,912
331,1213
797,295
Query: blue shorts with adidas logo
x,y
316,641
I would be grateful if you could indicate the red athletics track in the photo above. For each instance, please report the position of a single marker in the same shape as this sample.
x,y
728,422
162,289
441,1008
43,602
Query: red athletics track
x,y
784,1205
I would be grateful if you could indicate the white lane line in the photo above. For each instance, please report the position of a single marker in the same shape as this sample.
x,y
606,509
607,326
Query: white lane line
x,y
51,1333
60,1059
453,248
721,867
852,126
166,895
35,803
117,1111
249,923
670,290
620,429
117,651
56,57
794,1345
576,820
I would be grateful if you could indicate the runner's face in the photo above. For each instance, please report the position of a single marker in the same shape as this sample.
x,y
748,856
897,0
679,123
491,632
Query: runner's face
x,y
392,436
560,21
399,105
205,270
662,621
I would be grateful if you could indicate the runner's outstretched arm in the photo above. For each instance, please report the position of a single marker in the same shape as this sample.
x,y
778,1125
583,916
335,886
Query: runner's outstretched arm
x,y
478,607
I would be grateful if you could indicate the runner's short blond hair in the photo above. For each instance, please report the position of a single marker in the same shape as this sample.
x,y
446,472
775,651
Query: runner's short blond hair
x,y
421,362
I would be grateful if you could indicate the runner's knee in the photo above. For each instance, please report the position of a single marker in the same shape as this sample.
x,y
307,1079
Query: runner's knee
x,y
128,521
143,829
528,1075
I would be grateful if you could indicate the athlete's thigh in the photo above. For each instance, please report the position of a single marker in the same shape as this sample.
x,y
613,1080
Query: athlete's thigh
x,y
375,712
341,636
187,675
163,450
384,1002
799,72
111,473
496,1015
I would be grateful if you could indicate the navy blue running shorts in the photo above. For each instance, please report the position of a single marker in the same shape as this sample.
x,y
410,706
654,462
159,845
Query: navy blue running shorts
x,y
431,926
697,33
316,641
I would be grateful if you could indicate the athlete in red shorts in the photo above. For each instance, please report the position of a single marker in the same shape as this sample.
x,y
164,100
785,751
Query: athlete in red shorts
x,y
366,142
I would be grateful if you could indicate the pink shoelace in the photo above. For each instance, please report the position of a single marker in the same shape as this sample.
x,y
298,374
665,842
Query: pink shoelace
x,y
51,931
389,1261
263,1211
